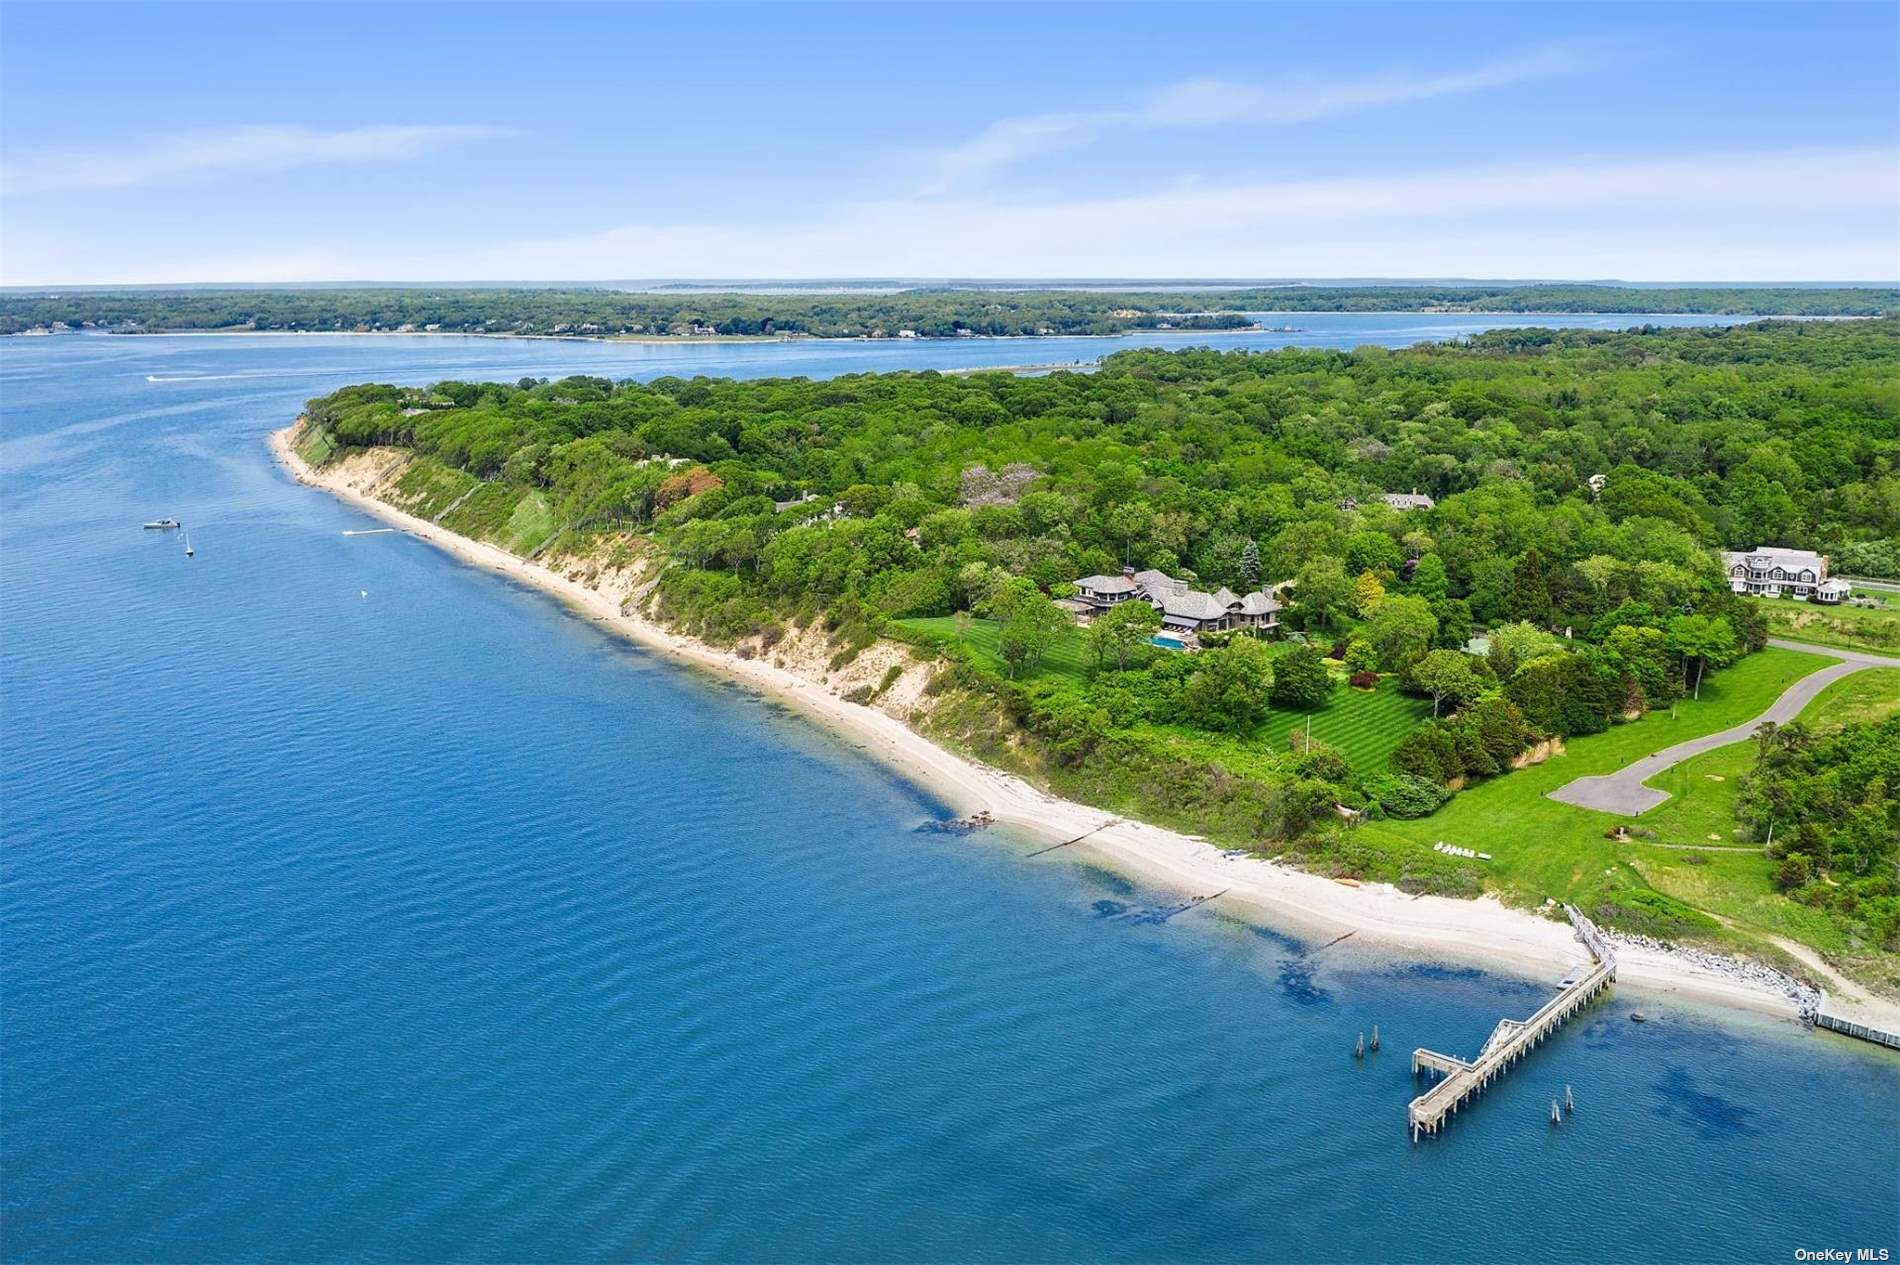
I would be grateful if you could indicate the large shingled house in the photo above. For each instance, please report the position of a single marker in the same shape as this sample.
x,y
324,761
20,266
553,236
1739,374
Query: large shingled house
x,y
1183,610
1783,573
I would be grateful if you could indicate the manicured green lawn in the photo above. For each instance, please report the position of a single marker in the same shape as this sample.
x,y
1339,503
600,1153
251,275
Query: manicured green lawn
x,y
1067,657
1364,724
1739,885
1542,848
1701,808
1876,631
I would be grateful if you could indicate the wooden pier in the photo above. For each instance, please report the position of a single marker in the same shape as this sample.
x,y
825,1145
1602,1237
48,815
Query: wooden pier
x,y
1511,1040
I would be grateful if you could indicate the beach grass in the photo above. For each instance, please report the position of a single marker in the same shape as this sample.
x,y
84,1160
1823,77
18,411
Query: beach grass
x,y
316,446
426,487
530,523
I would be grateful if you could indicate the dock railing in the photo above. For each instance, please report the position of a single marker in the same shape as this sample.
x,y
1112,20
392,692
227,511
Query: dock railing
x,y
1511,1040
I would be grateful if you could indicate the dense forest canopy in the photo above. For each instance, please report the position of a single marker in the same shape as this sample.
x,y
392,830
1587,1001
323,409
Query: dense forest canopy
x,y
953,511
1768,434
926,313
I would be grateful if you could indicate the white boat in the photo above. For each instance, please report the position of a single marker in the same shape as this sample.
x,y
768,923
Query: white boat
x,y
162,524
188,550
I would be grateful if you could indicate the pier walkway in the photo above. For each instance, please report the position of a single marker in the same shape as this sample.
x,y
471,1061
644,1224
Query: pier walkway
x,y
1511,1040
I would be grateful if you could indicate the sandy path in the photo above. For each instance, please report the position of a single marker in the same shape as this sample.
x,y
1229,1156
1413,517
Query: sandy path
x,y
1479,931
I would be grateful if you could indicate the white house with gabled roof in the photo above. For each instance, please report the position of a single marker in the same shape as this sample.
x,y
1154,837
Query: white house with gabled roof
x,y
1774,572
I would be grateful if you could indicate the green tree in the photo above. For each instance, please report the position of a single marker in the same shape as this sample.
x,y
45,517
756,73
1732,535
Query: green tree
x,y
1300,679
1372,551
1401,629
1429,580
1029,621
1232,687
1702,641
1513,645
1321,590
1644,656
1446,674
1530,589
1121,632
1361,656
1030,627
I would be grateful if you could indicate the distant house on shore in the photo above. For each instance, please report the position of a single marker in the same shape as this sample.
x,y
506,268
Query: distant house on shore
x,y
1413,500
1783,573
1183,610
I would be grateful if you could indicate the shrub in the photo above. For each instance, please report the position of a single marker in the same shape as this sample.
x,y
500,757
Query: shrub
x,y
1322,763
1364,680
1300,678
1404,795
1361,655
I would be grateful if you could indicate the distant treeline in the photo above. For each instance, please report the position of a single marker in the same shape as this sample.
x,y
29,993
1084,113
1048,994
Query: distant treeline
x,y
921,313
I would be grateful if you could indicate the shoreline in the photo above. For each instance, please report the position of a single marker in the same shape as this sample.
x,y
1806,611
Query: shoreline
x,y
1482,932
663,340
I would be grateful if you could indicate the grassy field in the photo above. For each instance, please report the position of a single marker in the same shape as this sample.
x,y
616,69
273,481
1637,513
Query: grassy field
x,y
1542,848
1364,724
1696,858
1067,657
1876,631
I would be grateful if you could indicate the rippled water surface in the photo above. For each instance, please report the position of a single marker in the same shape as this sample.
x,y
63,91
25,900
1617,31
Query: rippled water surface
x,y
433,924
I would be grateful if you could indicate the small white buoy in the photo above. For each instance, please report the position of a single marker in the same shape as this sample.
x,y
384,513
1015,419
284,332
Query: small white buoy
x,y
362,592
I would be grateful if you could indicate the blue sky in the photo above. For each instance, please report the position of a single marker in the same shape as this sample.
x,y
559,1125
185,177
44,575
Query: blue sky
x,y
275,143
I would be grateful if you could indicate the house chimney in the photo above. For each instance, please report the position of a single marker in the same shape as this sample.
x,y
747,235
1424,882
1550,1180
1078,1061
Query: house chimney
x,y
1128,571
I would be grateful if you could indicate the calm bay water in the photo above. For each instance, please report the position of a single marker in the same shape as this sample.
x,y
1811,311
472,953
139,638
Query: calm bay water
x,y
434,924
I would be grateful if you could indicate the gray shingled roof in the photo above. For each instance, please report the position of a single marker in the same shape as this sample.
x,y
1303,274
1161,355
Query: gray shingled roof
x,y
1764,559
1106,584
1179,604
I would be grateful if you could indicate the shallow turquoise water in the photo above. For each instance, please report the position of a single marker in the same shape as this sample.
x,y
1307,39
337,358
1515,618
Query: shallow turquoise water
x,y
434,924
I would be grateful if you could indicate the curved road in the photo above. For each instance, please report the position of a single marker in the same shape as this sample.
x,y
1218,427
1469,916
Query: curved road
x,y
1623,791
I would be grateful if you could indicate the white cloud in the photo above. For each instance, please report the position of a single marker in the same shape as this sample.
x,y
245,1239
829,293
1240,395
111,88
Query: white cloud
x,y
176,155
1768,216
1753,216
1211,102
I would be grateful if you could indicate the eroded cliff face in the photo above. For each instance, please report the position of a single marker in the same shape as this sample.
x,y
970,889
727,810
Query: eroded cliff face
x,y
623,567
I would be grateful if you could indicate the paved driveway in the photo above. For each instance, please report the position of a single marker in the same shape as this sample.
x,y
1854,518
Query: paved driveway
x,y
1623,791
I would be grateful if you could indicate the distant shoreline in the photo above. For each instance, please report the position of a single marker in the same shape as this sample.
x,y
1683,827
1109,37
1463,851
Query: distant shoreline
x,y
1481,931
1543,320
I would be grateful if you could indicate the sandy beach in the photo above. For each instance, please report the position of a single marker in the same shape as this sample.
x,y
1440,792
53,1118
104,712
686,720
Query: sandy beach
x,y
1482,932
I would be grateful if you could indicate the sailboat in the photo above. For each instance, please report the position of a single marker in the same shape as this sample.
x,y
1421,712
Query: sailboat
x,y
188,549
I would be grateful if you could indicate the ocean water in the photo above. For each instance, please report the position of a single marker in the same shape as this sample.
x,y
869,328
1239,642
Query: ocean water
x,y
361,905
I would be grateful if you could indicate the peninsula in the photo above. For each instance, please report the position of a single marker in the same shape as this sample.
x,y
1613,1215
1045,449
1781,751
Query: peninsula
x,y
1258,623
924,312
